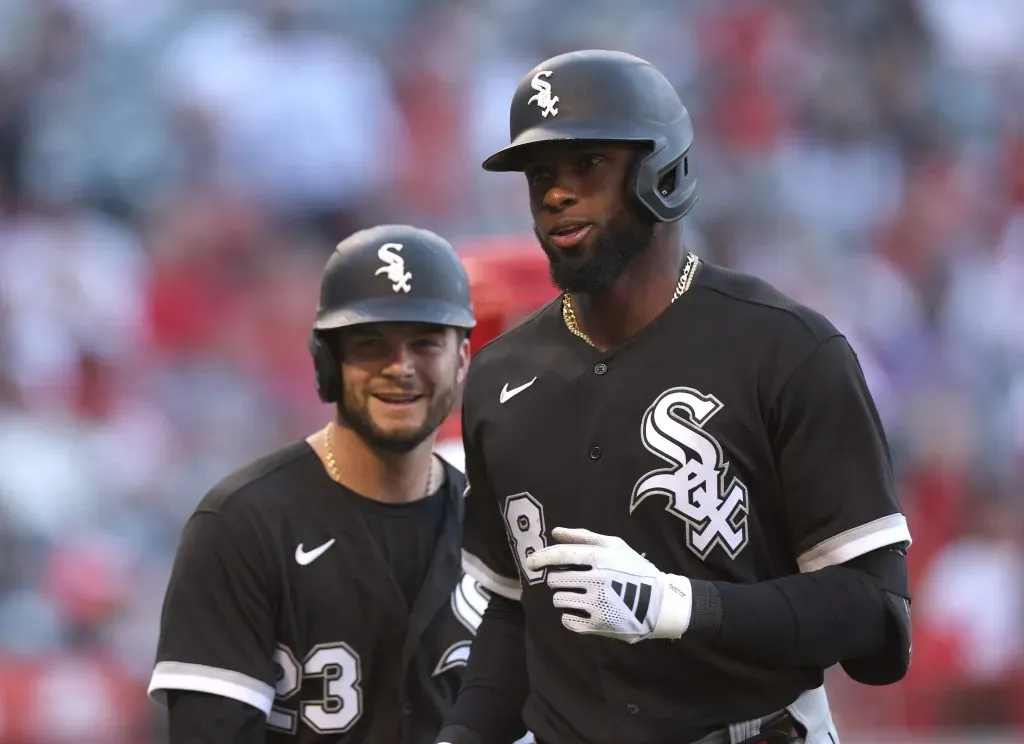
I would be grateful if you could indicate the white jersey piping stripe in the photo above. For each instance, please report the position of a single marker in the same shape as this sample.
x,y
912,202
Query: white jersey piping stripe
x,y
855,542
176,675
489,580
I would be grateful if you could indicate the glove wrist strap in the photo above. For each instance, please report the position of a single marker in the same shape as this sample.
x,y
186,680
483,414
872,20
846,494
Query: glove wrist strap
x,y
676,607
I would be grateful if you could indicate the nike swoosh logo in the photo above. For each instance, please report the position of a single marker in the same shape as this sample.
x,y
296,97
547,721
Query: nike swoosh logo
x,y
304,559
507,395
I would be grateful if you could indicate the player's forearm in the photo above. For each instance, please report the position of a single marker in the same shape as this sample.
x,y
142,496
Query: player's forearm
x,y
813,619
198,718
490,703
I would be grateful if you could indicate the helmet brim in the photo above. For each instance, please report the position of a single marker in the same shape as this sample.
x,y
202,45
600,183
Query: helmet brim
x,y
399,310
512,158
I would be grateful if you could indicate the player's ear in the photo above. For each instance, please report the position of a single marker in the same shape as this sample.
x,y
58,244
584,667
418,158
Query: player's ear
x,y
464,356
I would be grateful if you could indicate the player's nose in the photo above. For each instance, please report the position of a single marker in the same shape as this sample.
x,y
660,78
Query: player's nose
x,y
402,362
562,189
560,197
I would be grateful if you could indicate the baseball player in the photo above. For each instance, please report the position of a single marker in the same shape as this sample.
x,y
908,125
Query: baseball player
x,y
317,594
681,494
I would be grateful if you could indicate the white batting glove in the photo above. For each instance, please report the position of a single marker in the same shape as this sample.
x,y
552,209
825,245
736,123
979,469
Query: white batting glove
x,y
622,594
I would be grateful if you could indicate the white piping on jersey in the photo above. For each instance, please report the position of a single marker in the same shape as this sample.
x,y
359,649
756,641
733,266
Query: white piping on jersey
x,y
855,542
489,580
178,675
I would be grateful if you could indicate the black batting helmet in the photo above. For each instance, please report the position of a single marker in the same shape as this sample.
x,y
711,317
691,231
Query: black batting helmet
x,y
388,273
611,96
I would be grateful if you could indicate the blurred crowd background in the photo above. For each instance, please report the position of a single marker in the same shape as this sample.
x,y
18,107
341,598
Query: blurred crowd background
x,y
174,173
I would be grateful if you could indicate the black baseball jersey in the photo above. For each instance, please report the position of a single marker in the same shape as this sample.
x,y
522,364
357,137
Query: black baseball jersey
x,y
289,593
733,438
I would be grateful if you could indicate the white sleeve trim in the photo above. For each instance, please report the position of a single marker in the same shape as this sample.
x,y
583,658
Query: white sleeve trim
x,y
489,580
855,542
176,675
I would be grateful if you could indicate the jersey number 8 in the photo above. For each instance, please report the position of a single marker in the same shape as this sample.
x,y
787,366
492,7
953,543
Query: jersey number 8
x,y
524,520
342,702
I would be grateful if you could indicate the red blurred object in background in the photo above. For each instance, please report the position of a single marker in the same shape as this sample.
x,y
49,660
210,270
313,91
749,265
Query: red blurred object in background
x,y
508,279
1015,170
86,585
69,698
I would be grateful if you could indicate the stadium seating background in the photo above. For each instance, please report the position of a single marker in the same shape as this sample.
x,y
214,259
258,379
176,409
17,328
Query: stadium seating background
x,y
173,174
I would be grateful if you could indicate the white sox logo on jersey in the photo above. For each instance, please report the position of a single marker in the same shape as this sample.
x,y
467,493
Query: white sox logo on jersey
x,y
469,600
394,267
544,100
695,483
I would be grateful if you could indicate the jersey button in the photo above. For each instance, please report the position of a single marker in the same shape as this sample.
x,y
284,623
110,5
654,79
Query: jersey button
x,y
600,368
595,453
632,708
407,709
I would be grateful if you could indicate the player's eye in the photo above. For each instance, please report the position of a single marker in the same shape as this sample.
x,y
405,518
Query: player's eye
x,y
367,345
538,175
429,343
587,161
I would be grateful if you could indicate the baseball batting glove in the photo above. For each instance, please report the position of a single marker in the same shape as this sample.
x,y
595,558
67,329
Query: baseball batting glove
x,y
611,590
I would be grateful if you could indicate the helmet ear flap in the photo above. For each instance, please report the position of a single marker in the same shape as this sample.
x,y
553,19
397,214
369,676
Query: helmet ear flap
x,y
667,204
325,368
636,180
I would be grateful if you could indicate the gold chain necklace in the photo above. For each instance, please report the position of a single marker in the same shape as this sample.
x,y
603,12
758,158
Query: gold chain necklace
x,y
685,279
332,464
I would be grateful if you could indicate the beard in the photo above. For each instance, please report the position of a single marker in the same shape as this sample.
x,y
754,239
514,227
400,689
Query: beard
x,y
354,414
623,238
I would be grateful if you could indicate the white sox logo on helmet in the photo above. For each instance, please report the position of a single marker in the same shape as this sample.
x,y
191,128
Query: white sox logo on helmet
x,y
394,268
544,100
715,511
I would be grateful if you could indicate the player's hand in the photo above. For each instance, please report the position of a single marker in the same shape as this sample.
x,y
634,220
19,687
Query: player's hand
x,y
611,590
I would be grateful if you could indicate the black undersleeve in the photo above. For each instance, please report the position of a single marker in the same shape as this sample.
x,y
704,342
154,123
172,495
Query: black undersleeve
x,y
198,718
814,619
